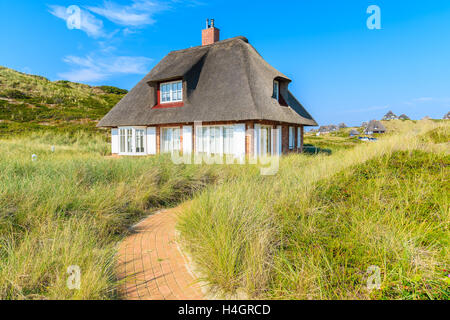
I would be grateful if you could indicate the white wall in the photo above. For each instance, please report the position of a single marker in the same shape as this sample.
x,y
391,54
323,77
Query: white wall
x,y
151,140
115,141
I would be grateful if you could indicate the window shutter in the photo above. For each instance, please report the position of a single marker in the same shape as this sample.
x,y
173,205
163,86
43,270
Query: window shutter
x,y
187,139
151,140
256,136
239,141
280,140
115,141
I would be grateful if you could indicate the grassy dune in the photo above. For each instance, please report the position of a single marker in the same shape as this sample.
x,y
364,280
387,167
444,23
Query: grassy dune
x,y
34,103
312,231
72,207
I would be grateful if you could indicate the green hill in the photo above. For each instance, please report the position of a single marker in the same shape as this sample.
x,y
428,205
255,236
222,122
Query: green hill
x,y
30,103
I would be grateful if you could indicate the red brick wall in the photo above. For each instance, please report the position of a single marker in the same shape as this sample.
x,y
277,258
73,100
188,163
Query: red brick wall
x,y
285,139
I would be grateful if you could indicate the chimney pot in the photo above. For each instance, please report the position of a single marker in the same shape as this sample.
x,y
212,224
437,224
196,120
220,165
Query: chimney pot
x,y
211,34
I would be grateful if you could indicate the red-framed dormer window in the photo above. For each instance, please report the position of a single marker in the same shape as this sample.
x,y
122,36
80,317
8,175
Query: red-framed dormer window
x,y
170,94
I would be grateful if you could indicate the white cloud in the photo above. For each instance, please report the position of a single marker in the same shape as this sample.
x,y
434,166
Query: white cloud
x,y
422,100
138,13
89,23
95,69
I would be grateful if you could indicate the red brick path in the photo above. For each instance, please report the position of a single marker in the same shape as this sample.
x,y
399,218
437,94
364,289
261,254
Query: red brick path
x,y
151,267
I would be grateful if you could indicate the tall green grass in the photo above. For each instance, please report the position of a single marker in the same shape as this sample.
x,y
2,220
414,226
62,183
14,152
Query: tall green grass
x,y
312,231
72,207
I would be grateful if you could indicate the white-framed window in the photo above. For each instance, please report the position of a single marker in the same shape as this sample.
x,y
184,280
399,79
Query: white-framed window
x,y
291,138
276,90
228,136
131,141
265,141
170,140
215,139
171,91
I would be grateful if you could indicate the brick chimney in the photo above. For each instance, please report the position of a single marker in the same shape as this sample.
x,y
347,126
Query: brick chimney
x,y
211,34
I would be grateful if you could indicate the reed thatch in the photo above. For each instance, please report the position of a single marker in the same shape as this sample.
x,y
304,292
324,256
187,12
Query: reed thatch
x,y
375,126
225,81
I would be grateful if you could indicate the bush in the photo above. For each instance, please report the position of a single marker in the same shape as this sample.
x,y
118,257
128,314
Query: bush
x,y
112,90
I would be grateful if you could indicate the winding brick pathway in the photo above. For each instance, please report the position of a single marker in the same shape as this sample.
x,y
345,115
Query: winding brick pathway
x,y
151,266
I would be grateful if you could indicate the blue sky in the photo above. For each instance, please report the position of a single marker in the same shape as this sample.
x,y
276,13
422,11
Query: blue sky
x,y
341,70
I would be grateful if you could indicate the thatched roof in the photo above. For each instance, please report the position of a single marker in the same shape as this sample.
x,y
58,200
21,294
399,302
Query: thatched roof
x,y
375,126
354,132
447,116
225,81
390,116
330,128
403,117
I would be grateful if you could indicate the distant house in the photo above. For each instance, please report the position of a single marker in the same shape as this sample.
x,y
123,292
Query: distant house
x,y
364,125
354,133
218,98
389,116
342,125
375,126
426,118
403,117
447,116
328,129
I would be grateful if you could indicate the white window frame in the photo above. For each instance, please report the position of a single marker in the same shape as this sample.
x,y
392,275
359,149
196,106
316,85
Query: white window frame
x,y
171,92
130,146
291,138
265,141
276,84
175,147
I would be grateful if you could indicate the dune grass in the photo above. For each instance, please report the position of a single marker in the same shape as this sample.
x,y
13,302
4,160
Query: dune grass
x,y
312,231
72,207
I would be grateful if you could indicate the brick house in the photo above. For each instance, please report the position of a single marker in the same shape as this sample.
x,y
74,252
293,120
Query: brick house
x,y
218,98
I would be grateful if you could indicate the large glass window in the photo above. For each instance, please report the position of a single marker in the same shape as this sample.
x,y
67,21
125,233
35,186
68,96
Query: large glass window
x,y
140,140
215,139
131,141
291,138
122,140
171,91
170,140
228,133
